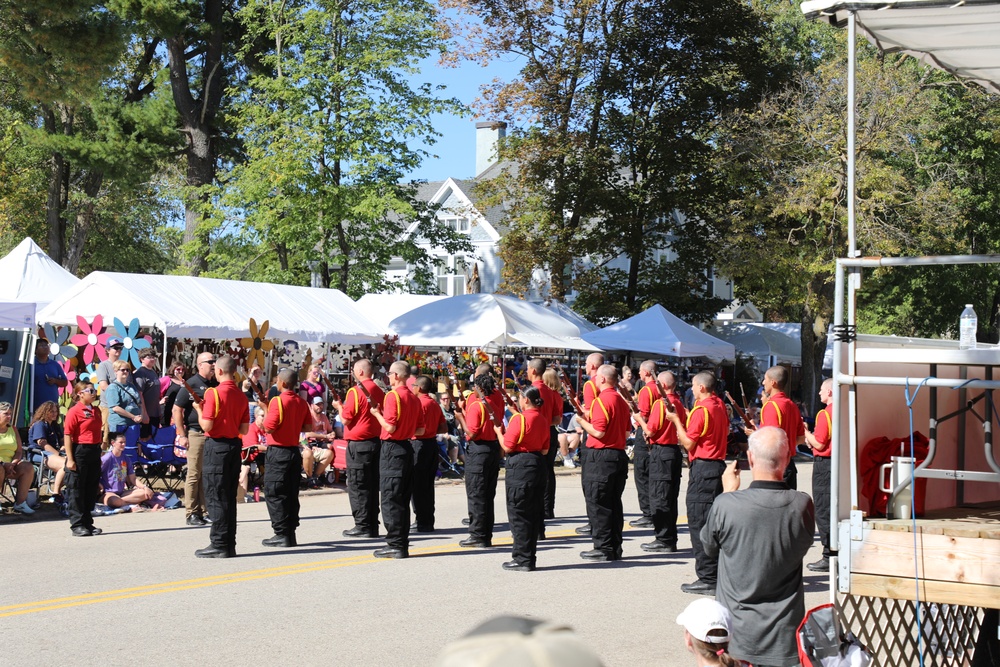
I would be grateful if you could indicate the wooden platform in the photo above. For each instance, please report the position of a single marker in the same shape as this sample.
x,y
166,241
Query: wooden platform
x,y
955,553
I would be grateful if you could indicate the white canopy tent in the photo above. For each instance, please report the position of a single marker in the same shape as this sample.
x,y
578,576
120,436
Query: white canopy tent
x,y
17,315
190,307
487,321
384,308
767,346
561,309
658,331
28,274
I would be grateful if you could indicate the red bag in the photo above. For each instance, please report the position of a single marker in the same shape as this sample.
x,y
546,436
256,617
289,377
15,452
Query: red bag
x,y
880,451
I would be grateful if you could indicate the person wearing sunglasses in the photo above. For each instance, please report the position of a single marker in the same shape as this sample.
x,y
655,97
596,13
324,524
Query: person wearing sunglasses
x,y
191,436
124,400
12,465
82,439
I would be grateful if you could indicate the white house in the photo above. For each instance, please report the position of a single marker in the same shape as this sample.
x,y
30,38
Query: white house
x,y
460,210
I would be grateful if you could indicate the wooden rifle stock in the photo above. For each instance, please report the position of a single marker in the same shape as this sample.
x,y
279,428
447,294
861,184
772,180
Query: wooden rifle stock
x,y
197,399
627,395
569,391
663,394
334,394
258,391
364,390
489,408
746,408
743,415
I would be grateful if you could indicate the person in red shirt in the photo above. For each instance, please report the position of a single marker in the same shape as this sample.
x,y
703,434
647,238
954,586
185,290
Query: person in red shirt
x,y
590,392
778,410
645,396
665,462
287,416
704,437
224,415
482,458
526,443
254,449
552,410
400,418
820,439
83,432
361,430
425,455
606,469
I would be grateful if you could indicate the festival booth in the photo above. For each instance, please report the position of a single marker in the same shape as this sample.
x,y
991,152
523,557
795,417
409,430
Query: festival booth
x,y
28,274
916,537
656,331
764,346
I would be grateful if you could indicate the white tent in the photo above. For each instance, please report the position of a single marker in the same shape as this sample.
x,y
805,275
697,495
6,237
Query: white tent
x,y
17,315
189,307
384,308
658,331
561,309
487,320
768,346
28,274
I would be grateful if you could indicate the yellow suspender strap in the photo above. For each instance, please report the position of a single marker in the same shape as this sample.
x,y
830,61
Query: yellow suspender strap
x,y
776,410
281,409
597,401
829,421
704,429
520,437
218,401
399,406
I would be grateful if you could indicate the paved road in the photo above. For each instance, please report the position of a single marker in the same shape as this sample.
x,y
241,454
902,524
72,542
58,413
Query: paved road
x,y
137,593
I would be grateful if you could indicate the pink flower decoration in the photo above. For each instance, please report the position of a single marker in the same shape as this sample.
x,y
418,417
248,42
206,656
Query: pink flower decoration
x,y
91,339
70,376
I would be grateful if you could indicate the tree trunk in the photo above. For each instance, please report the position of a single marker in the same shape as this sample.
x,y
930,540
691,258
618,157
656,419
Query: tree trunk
x,y
84,221
55,223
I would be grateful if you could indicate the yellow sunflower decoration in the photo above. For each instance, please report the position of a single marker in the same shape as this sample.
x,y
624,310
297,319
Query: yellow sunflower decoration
x,y
257,344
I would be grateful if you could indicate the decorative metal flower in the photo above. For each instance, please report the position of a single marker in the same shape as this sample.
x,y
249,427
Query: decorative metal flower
x,y
257,344
130,340
59,349
67,367
91,338
89,373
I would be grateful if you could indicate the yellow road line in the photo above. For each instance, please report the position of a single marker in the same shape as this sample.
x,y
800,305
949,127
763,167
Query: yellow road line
x,y
231,578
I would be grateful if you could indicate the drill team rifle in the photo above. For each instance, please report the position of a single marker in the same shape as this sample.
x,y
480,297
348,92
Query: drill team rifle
x,y
569,392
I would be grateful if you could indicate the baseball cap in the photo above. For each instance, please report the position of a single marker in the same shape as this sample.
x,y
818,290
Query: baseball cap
x,y
113,340
701,617
514,641
317,399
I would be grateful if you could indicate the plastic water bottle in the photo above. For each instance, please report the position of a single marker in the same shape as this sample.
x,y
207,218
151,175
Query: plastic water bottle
x,y
967,325
256,494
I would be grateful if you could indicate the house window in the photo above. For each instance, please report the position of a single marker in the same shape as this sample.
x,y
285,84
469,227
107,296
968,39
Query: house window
x,y
459,224
451,275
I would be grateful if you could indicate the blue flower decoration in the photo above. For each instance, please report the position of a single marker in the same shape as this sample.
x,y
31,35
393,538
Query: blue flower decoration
x,y
90,374
59,349
130,340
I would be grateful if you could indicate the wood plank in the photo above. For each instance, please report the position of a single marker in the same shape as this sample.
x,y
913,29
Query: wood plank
x,y
944,592
941,557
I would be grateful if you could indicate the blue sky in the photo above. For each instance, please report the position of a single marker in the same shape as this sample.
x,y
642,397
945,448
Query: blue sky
x,y
456,148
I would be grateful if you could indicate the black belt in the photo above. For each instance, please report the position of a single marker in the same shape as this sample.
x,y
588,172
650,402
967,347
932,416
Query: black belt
x,y
512,454
665,444
398,442
86,444
196,429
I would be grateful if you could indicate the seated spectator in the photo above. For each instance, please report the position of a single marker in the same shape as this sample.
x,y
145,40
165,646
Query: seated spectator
x,y
254,444
119,486
452,440
46,438
706,633
124,400
317,455
11,464
569,442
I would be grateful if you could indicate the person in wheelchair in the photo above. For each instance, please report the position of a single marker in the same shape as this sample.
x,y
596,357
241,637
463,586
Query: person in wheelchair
x,y
119,485
45,445
317,454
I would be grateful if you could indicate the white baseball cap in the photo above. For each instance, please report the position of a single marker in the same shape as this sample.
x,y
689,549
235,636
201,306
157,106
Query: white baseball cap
x,y
703,616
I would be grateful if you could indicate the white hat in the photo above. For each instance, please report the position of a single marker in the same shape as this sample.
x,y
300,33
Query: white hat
x,y
512,641
317,400
703,616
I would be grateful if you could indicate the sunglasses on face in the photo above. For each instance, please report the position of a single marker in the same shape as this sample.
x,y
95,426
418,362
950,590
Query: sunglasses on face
x,y
89,391
207,361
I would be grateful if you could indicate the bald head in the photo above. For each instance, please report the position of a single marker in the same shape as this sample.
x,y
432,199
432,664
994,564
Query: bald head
x,y
779,376
401,369
594,361
536,367
705,380
769,453
287,379
362,369
667,379
609,374
424,384
647,370
484,369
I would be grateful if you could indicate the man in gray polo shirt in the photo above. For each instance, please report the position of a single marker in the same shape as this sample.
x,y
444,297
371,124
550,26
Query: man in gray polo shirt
x,y
760,536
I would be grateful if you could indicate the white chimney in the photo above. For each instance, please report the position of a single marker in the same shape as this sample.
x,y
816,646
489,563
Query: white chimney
x,y
488,135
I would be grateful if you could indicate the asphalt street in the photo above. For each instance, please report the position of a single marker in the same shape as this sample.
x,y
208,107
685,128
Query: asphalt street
x,y
138,594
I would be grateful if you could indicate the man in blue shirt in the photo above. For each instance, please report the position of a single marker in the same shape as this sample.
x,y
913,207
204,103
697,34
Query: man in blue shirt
x,y
49,376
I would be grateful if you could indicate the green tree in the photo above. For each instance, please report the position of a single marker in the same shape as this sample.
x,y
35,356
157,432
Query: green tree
x,y
327,126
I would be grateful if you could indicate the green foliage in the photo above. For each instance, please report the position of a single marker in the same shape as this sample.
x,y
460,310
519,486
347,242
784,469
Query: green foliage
x,y
327,125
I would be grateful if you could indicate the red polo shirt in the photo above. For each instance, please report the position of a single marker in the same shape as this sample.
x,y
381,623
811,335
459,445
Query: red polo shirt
x,y
84,425
648,395
228,407
551,402
527,432
589,394
708,426
610,413
401,409
824,431
359,422
661,430
781,412
431,417
477,416
287,417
